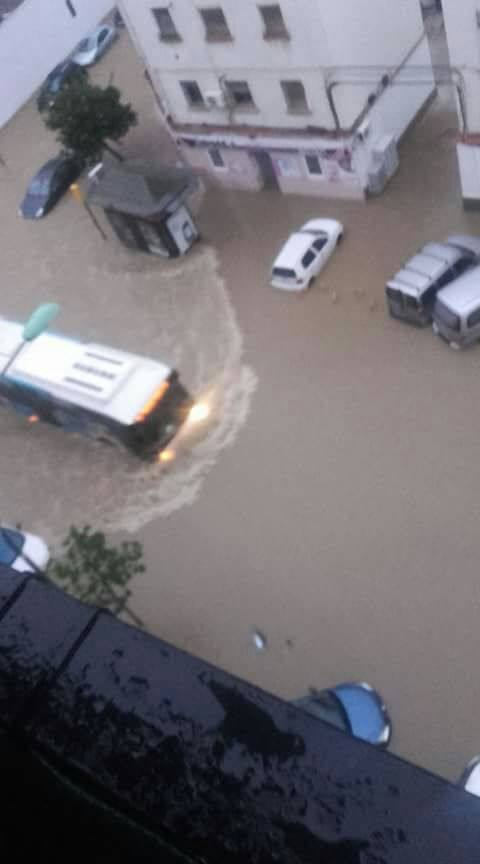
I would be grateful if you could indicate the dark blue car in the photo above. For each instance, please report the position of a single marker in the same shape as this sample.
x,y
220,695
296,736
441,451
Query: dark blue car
x,y
49,184
65,73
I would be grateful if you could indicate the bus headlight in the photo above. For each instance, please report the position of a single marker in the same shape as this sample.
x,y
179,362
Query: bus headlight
x,y
199,412
166,456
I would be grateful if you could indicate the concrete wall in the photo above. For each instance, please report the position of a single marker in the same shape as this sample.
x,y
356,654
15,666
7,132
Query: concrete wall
x,y
325,39
240,171
463,38
34,38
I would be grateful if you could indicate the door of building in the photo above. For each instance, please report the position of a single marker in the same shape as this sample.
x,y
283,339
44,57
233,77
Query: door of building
x,y
267,169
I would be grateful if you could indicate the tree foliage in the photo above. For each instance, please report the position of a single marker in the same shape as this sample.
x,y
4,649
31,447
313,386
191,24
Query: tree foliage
x,y
87,117
96,573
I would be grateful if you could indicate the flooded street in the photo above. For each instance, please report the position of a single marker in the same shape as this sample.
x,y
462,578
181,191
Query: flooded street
x,y
333,504
344,521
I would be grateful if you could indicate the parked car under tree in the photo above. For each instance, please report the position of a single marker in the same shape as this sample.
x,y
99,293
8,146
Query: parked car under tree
x,y
49,184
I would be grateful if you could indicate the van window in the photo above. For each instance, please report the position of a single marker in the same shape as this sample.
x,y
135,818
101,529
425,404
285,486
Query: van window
x,y
474,318
411,302
308,258
284,273
446,316
394,294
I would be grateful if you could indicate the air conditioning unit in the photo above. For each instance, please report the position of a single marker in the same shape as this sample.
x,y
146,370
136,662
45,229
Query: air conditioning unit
x,y
377,180
385,153
215,99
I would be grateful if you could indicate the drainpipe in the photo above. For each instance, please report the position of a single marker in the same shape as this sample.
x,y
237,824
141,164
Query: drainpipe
x,y
388,79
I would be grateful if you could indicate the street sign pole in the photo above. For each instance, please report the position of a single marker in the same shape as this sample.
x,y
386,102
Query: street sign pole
x,y
78,195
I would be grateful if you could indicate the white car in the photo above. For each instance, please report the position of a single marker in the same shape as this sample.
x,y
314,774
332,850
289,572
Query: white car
x,y
23,552
90,49
305,253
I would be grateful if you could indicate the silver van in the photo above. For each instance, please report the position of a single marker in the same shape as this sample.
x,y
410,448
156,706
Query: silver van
x,y
412,291
456,314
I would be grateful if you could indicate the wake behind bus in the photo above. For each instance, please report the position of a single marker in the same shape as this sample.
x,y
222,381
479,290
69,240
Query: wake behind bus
x,y
103,393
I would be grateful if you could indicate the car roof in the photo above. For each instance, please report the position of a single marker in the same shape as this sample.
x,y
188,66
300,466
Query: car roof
x,y
50,167
294,249
466,242
409,282
462,295
424,267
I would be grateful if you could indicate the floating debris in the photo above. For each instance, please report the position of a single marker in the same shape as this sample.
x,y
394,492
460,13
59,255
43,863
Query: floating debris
x,y
259,640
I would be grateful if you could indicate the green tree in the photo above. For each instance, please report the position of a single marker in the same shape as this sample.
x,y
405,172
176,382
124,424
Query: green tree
x,y
96,573
88,117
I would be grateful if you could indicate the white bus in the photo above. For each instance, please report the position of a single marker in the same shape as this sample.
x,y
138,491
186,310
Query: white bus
x,y
108,395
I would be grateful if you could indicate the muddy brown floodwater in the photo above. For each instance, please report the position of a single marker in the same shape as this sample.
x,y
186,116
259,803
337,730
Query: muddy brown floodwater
x,y
344,522
334,504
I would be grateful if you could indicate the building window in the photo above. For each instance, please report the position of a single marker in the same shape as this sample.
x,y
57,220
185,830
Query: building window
x,y
192,94
71,8
216,27
273,23
216,157
313,165
240,94
294,93
166,25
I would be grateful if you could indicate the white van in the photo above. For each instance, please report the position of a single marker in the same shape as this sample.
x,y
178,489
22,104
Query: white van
x,y
411,292
456,314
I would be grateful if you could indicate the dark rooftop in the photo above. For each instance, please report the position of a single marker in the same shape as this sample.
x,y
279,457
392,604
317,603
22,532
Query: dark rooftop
x,y
139,189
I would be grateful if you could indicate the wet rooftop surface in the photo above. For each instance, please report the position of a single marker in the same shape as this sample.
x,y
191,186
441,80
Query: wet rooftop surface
x,y
218,769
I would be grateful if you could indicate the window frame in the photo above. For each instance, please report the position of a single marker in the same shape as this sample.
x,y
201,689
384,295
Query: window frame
x,y
172,35
195,106
313,255
291,108
316,175
240,106
219,32
274,29
223,166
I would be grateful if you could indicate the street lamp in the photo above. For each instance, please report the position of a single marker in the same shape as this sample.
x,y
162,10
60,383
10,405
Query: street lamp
x,y
39,320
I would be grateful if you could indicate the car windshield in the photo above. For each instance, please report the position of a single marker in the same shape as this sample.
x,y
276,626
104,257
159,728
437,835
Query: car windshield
x,y
327,707
86,44
446,316
55,84
284,273
40,184
11,545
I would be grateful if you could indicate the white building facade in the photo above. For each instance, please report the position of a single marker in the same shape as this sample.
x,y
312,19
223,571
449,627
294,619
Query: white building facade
x,y
37,36
462,26
309,96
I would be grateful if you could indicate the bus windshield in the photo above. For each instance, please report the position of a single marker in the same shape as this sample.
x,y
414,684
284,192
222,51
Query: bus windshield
x,y
157,424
